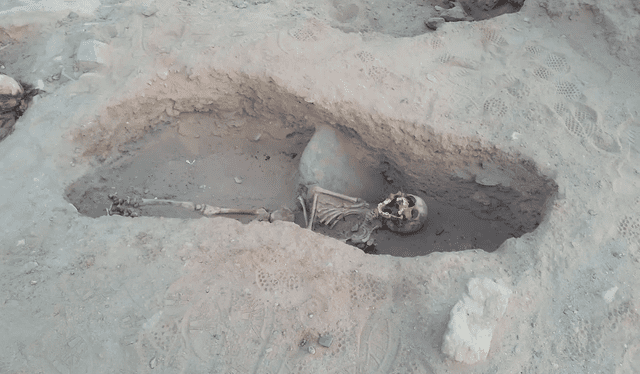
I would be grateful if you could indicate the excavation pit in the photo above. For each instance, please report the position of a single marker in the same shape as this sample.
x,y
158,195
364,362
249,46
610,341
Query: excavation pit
x,y
244,151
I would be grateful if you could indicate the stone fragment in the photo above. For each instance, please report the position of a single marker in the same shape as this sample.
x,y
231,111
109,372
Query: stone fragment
x,y
473,319
282,214
163,74
325,340
148,11
434,22
91,54
112,31
455,14
240,4
610,294
482,198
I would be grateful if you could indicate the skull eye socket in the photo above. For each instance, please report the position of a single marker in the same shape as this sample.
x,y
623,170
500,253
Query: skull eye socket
x,y
412,201
393,207
414,213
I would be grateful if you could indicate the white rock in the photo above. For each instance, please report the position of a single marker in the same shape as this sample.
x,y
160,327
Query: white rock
x,y
473,319
9,86
455,14
163,74
434,22
610,294
92,53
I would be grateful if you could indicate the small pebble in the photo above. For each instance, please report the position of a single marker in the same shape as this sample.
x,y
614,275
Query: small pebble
x,y
149,11
325,341
312,350
283,214
434,22
238,180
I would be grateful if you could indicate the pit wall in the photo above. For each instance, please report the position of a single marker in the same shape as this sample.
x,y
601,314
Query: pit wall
x,y
463,172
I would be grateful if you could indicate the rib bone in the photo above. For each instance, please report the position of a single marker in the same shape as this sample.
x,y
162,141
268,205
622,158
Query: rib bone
x,y
329,214
329,207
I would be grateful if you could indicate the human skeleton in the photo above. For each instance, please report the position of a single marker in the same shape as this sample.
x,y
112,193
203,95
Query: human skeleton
x,y
399,212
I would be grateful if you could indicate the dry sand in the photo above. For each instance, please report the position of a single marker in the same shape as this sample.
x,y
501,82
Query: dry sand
x,y
529,120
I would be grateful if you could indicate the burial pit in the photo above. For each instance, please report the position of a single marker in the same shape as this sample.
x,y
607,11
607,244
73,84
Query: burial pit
x,y
240,145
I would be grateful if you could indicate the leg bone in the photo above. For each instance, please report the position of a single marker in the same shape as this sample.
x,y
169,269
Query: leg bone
x,y
205,209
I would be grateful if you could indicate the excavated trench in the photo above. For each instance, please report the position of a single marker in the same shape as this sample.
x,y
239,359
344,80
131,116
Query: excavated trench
x,y
243,150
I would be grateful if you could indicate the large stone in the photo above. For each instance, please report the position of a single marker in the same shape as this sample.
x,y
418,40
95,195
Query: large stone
x,y
434,22
11,95
473,319
455,14
91,54
332,161
9,86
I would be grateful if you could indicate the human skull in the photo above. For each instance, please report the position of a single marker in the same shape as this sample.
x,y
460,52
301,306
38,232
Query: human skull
x,y
11,93
12,104
403,213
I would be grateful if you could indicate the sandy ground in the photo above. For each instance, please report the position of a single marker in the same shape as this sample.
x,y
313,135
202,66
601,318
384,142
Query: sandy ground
x,y
528,123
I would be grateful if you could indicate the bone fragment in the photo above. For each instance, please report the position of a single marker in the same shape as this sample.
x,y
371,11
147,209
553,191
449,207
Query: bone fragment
x,y
304,210
313,211
319,190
